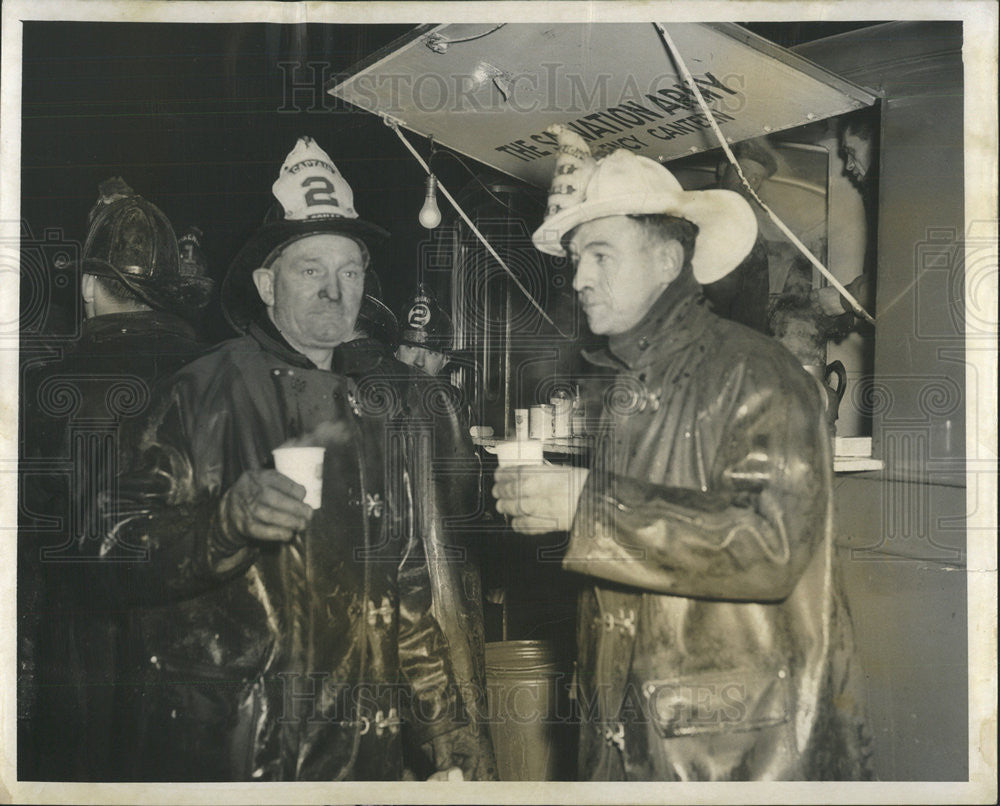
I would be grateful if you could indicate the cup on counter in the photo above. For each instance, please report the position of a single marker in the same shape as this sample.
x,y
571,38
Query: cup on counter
x,y
540,422
521,424
305,466
518,452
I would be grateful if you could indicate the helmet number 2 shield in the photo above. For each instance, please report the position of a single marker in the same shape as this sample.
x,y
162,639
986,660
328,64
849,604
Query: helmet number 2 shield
x,y
419,315
321,191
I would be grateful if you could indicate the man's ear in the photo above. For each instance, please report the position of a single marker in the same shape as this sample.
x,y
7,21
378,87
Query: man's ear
x,y
264,280
87,287
670,259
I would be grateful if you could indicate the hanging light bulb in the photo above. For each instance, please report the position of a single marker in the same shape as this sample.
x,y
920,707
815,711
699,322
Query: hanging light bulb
x,y
430,215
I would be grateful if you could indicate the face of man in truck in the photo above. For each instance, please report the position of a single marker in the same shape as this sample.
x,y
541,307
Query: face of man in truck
x,y
856,151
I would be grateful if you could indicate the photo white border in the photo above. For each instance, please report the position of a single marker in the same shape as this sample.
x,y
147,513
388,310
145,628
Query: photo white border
x,y
980,58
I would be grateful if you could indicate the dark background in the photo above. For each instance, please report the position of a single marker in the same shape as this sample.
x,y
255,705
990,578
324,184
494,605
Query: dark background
x,y
198,119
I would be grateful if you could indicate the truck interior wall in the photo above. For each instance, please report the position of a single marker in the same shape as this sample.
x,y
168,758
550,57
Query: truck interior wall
x,y
901,532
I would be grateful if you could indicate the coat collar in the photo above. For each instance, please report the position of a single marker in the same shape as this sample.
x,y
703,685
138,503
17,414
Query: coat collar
x,y
355,358
135,323
676,319
263,331
360,356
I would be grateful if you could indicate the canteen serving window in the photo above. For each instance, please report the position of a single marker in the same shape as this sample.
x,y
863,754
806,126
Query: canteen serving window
x,y
489,91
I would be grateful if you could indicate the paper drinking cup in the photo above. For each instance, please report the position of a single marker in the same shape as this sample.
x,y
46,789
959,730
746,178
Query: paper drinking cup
x,y
305,466
518,452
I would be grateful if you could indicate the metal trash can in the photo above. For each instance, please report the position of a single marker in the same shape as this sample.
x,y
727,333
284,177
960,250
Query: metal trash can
x,y
530,720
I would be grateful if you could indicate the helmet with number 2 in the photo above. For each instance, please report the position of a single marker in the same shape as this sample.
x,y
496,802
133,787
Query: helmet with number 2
x,y
425,323
313,198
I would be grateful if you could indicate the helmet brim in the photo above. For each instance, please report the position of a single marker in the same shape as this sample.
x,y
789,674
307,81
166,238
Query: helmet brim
x,y
184,296
429,341
378,321
241,303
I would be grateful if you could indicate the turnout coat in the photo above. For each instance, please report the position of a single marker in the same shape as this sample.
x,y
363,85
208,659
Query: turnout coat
x,y
82,414
714,643
295,661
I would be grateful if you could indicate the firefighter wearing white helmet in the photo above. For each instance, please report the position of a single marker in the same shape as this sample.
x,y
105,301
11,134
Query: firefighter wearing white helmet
x,y
713,640
293,640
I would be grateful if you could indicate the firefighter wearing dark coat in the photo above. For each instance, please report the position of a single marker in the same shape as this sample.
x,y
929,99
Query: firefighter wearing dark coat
x,y
85,410
438,417
293,643
714,643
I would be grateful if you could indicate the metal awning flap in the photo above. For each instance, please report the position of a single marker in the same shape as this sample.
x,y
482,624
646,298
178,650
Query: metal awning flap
x,y
489,91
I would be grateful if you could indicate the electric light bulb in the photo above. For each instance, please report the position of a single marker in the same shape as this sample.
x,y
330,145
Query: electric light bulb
x,y
430,215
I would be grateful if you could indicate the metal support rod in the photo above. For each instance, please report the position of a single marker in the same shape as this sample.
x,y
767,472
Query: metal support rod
x,y
669,43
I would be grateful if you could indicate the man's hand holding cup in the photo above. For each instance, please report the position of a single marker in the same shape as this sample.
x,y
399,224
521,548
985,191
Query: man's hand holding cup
x,y
265,505
539,498
272,505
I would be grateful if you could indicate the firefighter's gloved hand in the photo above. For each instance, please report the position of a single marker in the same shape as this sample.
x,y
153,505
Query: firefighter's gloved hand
x,y
539,498
264,505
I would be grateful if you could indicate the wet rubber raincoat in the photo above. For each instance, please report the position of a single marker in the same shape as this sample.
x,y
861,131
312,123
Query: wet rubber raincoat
x,y
81,414
714,643
296,661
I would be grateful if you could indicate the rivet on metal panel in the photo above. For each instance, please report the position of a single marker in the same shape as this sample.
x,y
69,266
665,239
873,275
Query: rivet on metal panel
x,y
437,43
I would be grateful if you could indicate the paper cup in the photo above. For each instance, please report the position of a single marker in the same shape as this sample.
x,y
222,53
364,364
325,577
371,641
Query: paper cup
x,y
518,452
305,466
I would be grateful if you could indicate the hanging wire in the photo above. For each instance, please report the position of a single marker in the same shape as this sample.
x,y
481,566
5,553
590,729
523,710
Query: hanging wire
x,y
394,125
439,44
669,43
445,152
